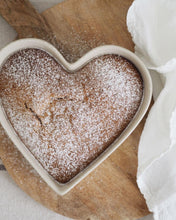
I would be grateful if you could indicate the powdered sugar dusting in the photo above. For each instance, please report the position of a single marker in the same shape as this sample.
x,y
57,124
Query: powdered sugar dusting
x,y
66,120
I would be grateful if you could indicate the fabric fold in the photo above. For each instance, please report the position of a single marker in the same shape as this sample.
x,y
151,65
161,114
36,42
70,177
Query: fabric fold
x,y
152,24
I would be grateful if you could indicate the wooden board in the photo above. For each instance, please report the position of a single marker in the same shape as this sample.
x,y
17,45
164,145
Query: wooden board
x,y
74,27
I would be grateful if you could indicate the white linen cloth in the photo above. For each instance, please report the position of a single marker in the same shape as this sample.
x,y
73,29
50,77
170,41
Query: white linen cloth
x,y
152,24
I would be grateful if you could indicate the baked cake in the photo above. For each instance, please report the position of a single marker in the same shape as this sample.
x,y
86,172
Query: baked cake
x,y
68,119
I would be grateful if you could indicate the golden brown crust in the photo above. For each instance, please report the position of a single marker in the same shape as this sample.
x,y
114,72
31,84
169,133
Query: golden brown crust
x,y
67,120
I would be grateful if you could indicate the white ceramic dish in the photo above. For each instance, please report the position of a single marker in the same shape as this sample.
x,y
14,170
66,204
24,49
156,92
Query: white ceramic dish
x,y
13,47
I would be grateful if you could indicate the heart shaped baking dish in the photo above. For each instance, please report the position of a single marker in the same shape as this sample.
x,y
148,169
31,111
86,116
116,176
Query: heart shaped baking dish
x,y
62,188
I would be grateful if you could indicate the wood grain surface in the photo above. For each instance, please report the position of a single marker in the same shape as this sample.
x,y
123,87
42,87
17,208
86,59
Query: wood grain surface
x,y
74,27
26,21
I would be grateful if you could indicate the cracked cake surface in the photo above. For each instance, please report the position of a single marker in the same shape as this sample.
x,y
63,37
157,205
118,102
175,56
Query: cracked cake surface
x,y
67,119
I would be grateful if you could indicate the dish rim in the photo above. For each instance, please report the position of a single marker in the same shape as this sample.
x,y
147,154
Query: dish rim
x,y
63,188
